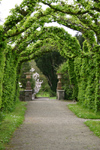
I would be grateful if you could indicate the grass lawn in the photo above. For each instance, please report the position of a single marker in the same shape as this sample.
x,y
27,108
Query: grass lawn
x,y
94,126
52,97
10,122
85,113
82,112
45,94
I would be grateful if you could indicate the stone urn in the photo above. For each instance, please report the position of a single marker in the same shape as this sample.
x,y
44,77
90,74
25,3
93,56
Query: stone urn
x,y
28,84
59,84
28,91
60,92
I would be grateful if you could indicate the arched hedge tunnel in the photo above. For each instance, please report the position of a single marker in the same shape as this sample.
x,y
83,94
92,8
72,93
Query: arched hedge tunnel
x,y
25,30
49,37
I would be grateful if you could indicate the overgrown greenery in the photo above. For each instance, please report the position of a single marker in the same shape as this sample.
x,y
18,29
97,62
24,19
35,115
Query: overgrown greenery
x,y
48,64
9,122
66,85
2,61
9,81
45,86
24,28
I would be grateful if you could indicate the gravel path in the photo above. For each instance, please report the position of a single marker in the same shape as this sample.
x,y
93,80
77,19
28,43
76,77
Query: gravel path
x,y
50,125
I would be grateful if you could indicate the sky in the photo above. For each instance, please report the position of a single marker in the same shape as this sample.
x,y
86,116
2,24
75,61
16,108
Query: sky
x,y
6,5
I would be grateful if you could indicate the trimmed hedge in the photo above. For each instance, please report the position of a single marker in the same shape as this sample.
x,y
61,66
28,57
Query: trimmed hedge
x,y
2,61
9,80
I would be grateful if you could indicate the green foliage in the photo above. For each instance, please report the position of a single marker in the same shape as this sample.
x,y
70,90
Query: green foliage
x,y
43,94
25,68
66,85
2,116
80,38
10,122
48,94
9,80
82,64
83,112
2,61
94,126
25,29
97,83
72,77
45,86
52,97
48,63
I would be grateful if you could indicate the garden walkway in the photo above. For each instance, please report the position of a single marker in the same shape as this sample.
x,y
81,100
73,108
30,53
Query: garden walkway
x,y
50,125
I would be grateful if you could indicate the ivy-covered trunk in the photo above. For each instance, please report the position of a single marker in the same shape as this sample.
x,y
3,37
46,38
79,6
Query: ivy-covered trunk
x,y
9,80
2,61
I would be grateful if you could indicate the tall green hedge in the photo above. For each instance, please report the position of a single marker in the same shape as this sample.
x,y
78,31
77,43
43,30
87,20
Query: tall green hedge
x,y
9,80
2,61
97,83
86,71
72,77
84,75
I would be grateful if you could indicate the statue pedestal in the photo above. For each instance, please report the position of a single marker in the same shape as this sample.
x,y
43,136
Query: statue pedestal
x,y
60,94
28,91
28,95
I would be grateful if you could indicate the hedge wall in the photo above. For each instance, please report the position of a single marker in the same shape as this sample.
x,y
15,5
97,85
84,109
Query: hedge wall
x,y
84,74
2,61
9,80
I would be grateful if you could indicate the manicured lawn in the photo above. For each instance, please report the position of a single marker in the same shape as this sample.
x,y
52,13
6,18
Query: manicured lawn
x,y
82,112
10,122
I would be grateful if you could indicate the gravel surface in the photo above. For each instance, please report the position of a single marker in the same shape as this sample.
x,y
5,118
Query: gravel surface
x,y
50,125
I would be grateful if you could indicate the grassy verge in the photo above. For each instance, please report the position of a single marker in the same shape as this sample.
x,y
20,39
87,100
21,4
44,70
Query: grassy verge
x,y
10,122
82,112
52,97
94,126
43,94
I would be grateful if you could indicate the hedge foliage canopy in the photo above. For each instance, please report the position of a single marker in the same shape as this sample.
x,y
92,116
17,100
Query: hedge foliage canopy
x,y
26,19
25,29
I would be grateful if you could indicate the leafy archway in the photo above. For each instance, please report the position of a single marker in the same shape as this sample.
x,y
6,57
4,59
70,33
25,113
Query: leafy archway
x,y
21,28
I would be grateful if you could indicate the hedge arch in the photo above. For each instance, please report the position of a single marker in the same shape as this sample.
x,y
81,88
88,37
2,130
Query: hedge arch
x,y
21,29
14,58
